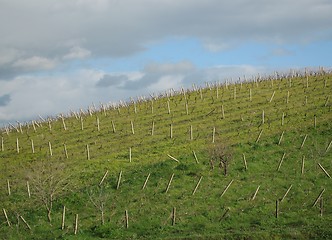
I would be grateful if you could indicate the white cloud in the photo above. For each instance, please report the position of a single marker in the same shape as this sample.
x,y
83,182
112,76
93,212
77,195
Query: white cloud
x,y
77,52
35,63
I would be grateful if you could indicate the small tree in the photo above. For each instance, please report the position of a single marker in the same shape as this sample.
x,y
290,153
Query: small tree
x,y
48,181
220,154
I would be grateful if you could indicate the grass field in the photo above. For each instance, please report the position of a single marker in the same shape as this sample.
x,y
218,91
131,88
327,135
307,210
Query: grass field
x,y
96,162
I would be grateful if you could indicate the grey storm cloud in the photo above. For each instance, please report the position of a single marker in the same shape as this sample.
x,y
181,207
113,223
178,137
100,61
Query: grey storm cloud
x,y
111,80
4,100
41,34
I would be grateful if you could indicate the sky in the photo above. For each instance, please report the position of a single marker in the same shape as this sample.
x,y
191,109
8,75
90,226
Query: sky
x,y
58,56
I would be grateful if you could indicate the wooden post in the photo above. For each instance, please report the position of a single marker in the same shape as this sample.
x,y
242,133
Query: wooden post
x,y
98,124
222,112
152,129
146,181
28,188
319,196
282,119
315,121
82,124
119,180
263,117
87,152
250,98
245,162
151,106
64,124
130,154
102,180
281,136
135,108
255,194
173,158
272,96
76,224
65,150
286,193
213,134
287,98
195,157
169,183
32,147
328,146
25,222
187,109
199,181
50,148
49,125
201,94
326,173
63,218
7,220
191,132
171,130
234,92
127,218
281,160
168,107
217,92
259,136
173,216
277,208
305,138
132,127
34,127
302,168
17,146
326,101
226,188
113,127
8,187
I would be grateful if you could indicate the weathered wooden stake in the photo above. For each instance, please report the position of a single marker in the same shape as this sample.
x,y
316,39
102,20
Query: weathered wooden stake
x,y
326,101
187,109
113,127
146,181
102,180
64,124
222,112
7,220
281,136
217,92
169,183
255,194
76,224
151,106
87,152
234,92
195,157
132,127
127,218
326,173
152,129
281,160
201,94
287,98
50,149
173,158
49,125
286,193
34,127
25,222
130,154
315,121
168,107
226,188
245,161
28,188
305,138
259,136
173,216
282,119
263,117
328,146
319,196
302,168
199,181
191,132
8,187
82,123
32,146
98,124
171,130
225,214
250,98
63,218
119,180
272,96
213,134
65,150
17,146
277,208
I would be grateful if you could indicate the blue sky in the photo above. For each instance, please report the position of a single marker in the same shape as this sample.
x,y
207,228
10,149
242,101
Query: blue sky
x,y
59,55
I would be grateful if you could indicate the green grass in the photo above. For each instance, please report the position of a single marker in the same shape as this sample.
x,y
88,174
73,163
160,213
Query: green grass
x,y
205,214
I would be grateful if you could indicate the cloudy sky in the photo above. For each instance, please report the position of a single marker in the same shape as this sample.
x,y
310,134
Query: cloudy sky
x,y
62,55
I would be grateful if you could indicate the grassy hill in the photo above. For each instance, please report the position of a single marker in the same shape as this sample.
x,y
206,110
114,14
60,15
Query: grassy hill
x,y
153,168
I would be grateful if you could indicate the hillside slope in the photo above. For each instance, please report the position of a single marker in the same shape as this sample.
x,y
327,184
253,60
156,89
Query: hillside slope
x,y
144,169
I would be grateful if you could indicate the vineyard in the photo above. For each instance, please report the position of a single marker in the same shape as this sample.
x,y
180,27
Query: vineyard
x,y
251,159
